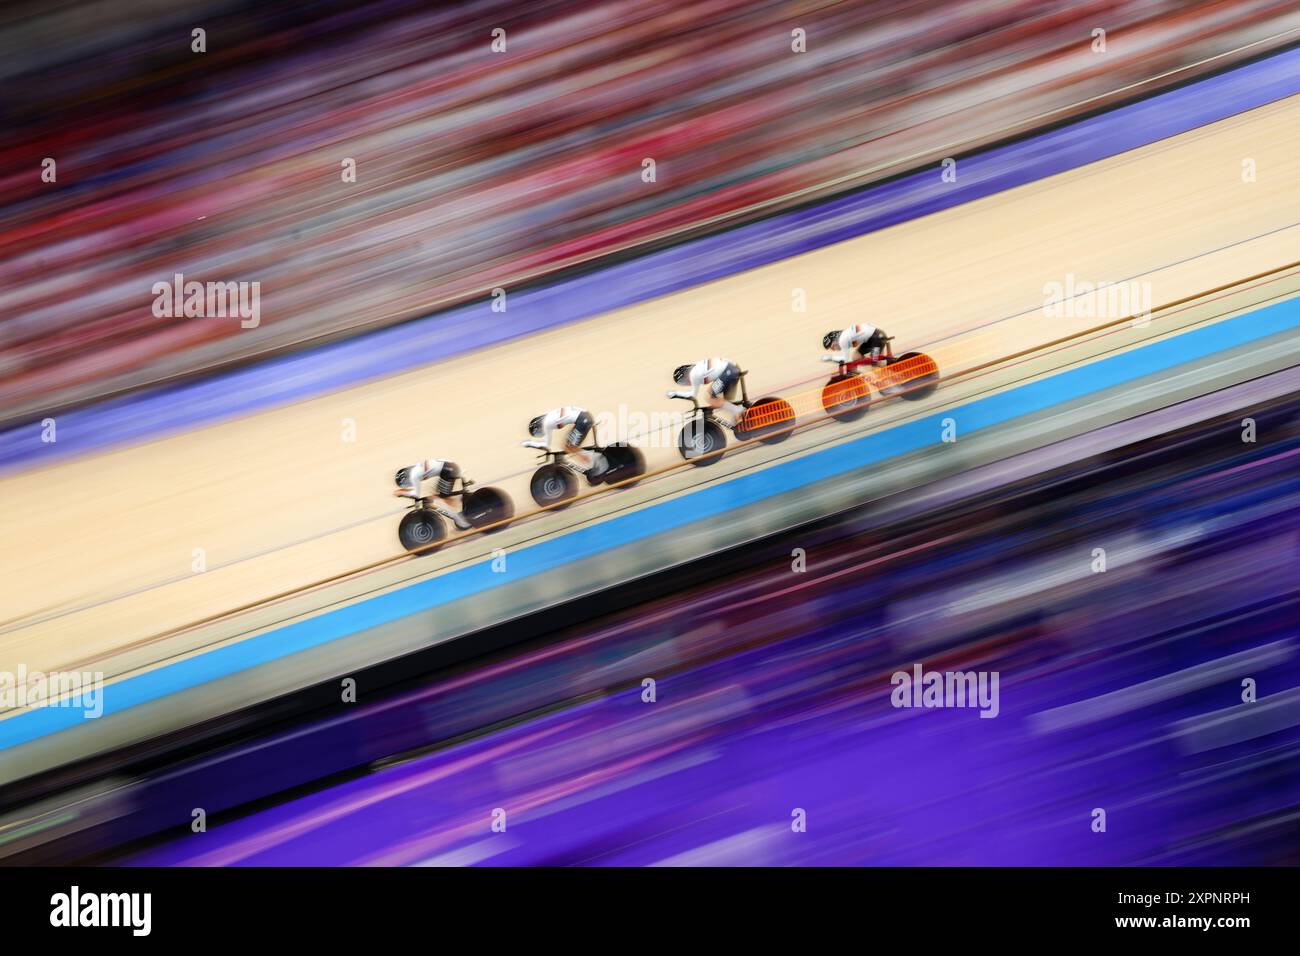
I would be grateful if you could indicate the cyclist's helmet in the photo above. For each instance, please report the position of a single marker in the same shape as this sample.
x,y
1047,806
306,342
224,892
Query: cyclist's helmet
x,y
403,477
535,426
682,374
830,338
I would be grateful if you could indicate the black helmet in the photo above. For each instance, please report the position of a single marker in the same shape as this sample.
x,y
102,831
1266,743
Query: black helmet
x,y
535,426
681,374
403,477
829,339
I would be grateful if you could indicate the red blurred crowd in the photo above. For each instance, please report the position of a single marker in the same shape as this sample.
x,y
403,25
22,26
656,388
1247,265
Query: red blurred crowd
x,y
369,164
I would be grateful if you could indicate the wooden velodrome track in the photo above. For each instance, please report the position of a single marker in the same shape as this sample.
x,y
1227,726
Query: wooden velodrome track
x,y
99,553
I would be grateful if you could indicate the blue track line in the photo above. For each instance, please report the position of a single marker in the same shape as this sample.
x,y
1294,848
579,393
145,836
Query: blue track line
x,y
667,516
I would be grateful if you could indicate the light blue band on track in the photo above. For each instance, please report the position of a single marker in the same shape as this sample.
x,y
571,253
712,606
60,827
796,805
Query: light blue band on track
x,y
664,517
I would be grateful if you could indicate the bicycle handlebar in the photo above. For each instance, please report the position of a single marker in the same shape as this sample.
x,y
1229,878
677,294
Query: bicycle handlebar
x,y
550,453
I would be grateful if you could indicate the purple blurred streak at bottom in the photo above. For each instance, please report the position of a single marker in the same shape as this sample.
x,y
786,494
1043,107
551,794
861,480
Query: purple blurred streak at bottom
x,y
1119,691
715,780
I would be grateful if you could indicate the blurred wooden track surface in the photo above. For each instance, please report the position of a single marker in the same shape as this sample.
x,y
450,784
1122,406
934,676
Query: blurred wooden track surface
x,y
98,553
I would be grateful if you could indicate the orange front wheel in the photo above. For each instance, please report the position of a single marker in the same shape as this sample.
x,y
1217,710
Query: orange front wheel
x,y
912,375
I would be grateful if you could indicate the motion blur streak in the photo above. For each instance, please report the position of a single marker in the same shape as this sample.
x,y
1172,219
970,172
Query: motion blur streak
x,y
478,166
1121,690
1038,604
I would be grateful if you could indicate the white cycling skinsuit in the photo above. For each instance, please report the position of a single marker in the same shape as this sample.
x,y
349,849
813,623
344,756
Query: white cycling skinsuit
x,y
869,340
579,421
411,478
722,376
